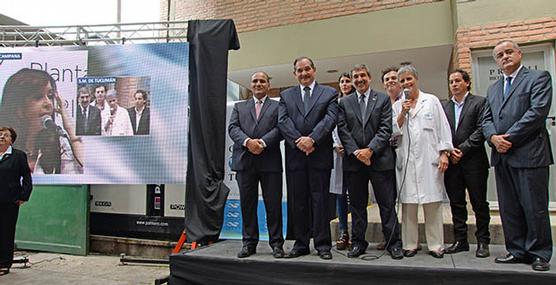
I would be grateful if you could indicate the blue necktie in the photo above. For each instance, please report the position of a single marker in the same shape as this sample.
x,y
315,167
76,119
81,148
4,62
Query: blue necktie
x,y
508,86
306,98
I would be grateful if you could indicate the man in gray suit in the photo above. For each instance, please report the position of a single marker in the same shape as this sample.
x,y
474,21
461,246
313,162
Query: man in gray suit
x,y
364,126
514,125
256,158
307,116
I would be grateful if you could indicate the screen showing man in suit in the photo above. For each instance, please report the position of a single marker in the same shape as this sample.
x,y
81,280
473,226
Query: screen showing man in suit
x,y
140,114
307,118
365,126
468,168
87,116
256,158
514,125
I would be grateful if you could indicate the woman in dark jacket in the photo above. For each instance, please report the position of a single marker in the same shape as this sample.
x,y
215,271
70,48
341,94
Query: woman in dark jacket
x,y
15,189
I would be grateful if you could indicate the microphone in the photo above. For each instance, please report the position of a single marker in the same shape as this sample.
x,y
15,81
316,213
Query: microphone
x,y
406,93
49,124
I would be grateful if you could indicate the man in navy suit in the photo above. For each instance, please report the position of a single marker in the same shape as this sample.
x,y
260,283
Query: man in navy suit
x,y
364,126
87,116
514,125
468,167
140,115
307,117
256,158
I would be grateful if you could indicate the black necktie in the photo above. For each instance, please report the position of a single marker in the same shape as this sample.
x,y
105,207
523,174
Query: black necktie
x,y
362,105
508,86
85,119
306,96
363,108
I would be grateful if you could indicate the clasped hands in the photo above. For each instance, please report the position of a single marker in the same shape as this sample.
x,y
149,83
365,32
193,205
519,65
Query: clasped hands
x,y
500,142
255,146
455,155
305,144
364,155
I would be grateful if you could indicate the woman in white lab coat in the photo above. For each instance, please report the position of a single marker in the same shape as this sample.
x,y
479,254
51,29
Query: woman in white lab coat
x,y
422,158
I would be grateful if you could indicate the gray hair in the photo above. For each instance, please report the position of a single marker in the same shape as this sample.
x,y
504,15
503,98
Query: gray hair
x,y
263,73
514,45
111,93
408,69
358,67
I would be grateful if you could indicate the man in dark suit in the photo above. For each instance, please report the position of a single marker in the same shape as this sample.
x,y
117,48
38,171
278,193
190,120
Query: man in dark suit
x,y
364,126
307,118
15,189
256,157
516,110
87,116
140,115
468,167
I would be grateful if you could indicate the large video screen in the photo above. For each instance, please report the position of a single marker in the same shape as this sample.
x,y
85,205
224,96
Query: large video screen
x,y
100,114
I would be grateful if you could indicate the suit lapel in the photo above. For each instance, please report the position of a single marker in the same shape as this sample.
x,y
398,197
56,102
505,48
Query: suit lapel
x,y
466,103
451,115
251,107
498,98
297,94
314,98
371,103
355,106
518,79
264,108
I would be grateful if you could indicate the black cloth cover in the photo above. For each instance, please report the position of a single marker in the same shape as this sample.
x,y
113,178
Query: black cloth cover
x,y
205,195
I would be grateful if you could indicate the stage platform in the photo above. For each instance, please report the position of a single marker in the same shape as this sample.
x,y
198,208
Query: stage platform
x,y
218,264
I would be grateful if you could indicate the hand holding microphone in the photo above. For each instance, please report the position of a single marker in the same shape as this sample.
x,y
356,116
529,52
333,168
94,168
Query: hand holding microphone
x,y
407,102
49,124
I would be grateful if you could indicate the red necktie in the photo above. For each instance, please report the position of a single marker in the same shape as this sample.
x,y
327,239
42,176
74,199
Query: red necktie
x,y
258,106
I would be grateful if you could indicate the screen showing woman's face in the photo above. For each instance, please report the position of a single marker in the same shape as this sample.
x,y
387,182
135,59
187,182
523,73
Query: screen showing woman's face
x,y
41,104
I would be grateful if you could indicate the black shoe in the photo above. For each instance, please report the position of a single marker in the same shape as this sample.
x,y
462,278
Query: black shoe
x,y
409,252
246,251
509,259
482,250
540,264
343,242
437,253
396,253
457,246
325,254
278,252
297,253
356,251
4,271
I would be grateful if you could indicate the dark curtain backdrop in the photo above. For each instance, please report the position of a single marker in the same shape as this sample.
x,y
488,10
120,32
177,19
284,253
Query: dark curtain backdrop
x,y
205,195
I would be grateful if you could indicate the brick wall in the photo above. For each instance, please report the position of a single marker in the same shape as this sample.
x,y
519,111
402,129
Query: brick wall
x,y
522,32
251,15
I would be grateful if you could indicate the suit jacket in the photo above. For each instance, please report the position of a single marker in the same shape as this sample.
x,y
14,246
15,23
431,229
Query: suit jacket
x,y
15,177
244,124
522,115
371,130
318,124
93,122
144,122
469,136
